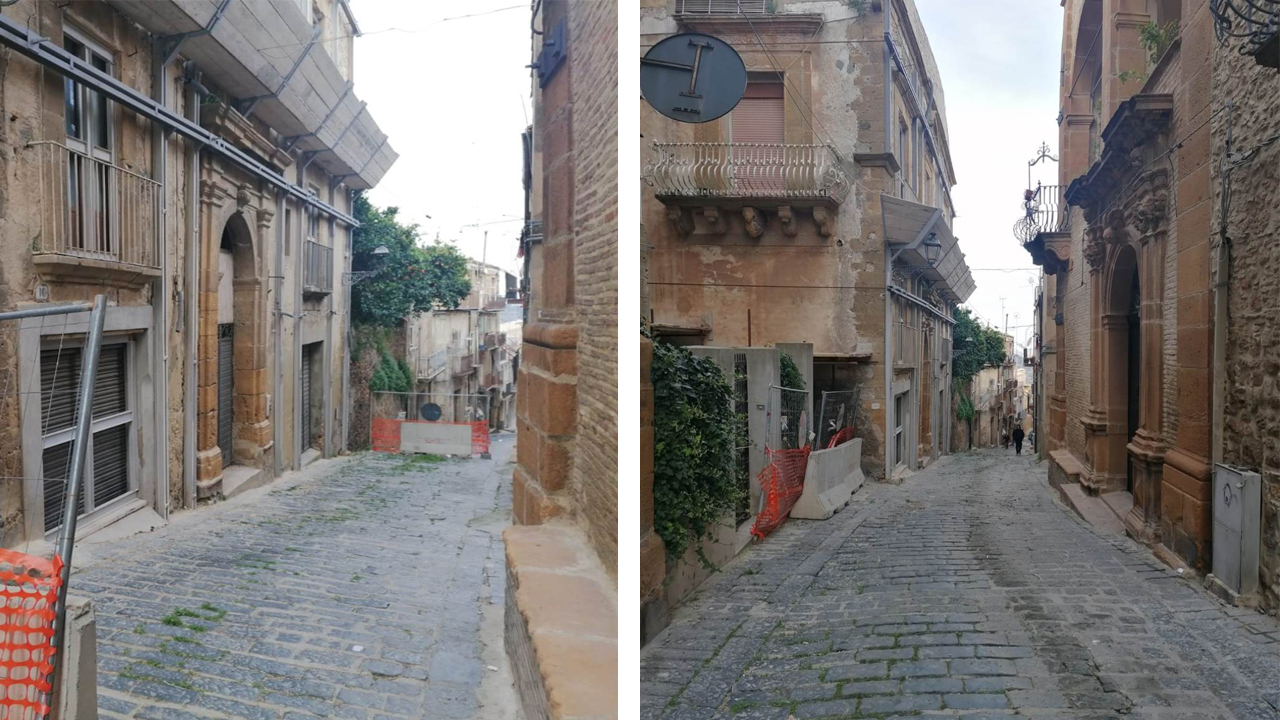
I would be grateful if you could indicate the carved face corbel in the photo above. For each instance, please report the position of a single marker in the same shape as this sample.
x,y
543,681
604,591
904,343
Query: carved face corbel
x,y
753,219
1150,215
716,219
681,220
1095,246
825,221
788,219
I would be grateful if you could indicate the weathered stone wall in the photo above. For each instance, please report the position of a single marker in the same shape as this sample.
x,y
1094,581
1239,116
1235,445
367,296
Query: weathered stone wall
x,y
1251,415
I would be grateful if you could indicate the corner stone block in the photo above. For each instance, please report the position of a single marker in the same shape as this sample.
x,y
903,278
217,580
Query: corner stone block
x,y
560,408
554,464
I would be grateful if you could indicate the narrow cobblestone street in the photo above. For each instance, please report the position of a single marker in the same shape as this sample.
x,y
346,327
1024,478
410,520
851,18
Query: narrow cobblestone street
x,y
967,591
366,587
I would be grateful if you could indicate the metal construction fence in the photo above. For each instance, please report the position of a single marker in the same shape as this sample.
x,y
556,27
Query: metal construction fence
x,y
426,422
59,399
787,427
837,417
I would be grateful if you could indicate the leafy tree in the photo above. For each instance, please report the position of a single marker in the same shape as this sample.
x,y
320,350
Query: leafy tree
x,y
410,278
974,347
790,373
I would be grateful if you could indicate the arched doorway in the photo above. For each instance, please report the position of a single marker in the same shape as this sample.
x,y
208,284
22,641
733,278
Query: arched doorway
x,y
240,352
1122,333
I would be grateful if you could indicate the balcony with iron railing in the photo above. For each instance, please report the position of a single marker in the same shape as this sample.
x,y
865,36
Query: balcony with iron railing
x,y
1045,225
461,361
317,269
723,7
98,220
783,173
431,366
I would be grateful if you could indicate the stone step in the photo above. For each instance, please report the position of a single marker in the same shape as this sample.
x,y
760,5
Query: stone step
x,y
1095,510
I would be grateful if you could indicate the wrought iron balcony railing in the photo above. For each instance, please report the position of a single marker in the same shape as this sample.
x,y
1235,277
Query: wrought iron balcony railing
x,y
1045,211
721,7
317,268
747,171
96,210
432,365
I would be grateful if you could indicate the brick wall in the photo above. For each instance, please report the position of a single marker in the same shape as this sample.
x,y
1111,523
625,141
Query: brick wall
x,y
1075,318
567,415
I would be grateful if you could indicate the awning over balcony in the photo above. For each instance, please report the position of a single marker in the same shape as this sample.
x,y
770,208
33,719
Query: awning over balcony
x,y
904,222
250,51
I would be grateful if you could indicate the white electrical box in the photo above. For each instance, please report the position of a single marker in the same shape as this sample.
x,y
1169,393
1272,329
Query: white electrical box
x,y
1237,528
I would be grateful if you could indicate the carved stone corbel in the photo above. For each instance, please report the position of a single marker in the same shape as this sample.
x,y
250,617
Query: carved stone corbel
x,y
788,219
825,220
719,224
681,220
1151,214
1095,248
753,219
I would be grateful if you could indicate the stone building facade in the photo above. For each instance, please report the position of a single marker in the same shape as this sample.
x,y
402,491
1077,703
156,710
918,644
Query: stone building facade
x,y
1155,331
563,550
204,186
776,223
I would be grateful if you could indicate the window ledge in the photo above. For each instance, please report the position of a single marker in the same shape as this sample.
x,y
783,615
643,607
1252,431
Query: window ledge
x,y
76,269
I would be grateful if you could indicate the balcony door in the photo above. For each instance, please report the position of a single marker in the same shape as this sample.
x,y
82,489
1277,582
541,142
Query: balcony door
x,y
757,128
91,139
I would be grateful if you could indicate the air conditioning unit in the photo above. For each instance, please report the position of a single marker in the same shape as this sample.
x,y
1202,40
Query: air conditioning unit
x,y
1237,525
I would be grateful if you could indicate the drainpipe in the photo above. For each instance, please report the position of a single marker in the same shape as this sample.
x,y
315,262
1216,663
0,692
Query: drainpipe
x,y
1219,386
192,299
888,260
160,292
298,312
277,277
346,346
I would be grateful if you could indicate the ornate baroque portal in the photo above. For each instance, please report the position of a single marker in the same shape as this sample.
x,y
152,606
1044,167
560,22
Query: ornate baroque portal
x,y
1125,198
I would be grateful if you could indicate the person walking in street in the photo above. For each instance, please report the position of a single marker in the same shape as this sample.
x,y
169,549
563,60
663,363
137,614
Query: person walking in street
x,y
1017,439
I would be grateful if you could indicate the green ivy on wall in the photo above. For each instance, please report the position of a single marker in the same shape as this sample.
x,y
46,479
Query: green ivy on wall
x,y
790,374
694,484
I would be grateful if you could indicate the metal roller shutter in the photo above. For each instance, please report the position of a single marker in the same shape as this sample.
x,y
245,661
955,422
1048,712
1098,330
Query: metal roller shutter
x,y
759,120
307,436
226,389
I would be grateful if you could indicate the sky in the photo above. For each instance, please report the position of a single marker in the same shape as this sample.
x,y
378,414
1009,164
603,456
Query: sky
x,y
999,70
453,94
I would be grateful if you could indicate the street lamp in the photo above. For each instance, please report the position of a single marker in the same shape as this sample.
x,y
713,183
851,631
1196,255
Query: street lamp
x,y
932,249
379,254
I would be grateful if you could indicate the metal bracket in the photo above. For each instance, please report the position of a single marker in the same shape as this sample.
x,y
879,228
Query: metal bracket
x,y
555,48
292,140
170,44
248,105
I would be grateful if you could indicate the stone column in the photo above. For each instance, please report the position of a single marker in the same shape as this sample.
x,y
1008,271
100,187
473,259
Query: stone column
x,y
209,460
1122,51
1058,400
1099,453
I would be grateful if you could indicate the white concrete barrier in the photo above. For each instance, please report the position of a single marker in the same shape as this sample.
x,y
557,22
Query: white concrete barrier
x,y
830,479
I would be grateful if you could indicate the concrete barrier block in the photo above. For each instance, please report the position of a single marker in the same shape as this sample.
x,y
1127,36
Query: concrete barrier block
x,y
830,479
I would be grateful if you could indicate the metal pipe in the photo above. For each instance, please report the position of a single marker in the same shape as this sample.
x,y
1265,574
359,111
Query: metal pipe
x,y
45,310
350,335
79,451
277,272
160,294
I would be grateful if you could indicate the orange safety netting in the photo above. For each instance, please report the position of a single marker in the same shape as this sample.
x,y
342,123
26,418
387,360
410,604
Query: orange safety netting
x,y
385,437
845,435
781,482
30,594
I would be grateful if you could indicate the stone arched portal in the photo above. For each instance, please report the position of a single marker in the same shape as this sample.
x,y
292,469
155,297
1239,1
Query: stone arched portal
x,y
227,224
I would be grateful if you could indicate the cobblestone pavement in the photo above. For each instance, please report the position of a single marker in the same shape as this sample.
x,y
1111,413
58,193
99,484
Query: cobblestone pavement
x,y
967,591
367,588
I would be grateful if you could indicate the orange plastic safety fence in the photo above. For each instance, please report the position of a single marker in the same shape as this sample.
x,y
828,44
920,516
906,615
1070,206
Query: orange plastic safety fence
x,y
845,435
781,482
30,594
386,435
480,437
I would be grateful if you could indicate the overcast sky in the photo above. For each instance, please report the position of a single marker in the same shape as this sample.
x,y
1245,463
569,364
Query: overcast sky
x,y
453,94
999,71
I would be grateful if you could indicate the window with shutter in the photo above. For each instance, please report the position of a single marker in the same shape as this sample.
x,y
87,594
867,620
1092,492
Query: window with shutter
x,y
107,475
757,128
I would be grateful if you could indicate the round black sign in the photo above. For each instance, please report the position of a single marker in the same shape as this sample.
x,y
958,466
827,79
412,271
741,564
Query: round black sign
x,y
692,78
431,412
